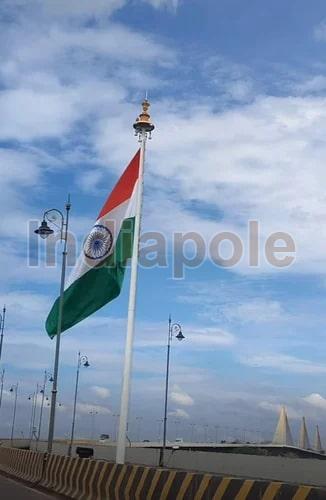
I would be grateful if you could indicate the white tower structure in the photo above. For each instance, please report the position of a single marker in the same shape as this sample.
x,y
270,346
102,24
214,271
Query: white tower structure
x,y
317,441
304,438
283,434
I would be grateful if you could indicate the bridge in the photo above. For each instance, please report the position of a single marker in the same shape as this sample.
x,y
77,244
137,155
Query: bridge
x,y
99,478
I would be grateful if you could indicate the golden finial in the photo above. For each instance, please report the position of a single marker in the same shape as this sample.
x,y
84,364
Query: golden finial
x,y
143,122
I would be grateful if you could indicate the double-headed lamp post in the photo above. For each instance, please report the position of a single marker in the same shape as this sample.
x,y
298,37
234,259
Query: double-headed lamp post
x,y
47,377
82,361
13,390
2,378
175,330
93,414
33,399
51,216
2,327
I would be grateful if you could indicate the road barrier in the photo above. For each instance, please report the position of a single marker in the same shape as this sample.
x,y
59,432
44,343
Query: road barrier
x,y
24,464
87,479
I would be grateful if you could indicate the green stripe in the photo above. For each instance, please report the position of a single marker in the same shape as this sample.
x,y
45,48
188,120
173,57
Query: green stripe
x,y
95,288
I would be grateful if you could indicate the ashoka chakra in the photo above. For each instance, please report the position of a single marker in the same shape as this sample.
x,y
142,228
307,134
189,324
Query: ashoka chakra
x,y
98,243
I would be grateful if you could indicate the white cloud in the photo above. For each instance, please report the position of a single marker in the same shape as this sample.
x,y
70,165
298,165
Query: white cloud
x,y
180,397
85,408
26,306
101,392
79,8
28,114
312,85
169,4
316,400
276,408
256,310
179,413
320,31
209,337
283,363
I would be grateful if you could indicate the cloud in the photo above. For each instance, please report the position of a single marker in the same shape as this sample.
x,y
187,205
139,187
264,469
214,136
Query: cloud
x,y
180,397
312,85
168,4
257,311
179,413
276,408
85,408
283,363
316,400
101,392
320,31
26,306
233,82
210,337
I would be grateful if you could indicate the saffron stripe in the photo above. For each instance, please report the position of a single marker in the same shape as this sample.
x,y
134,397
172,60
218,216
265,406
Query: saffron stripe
x,y
124,187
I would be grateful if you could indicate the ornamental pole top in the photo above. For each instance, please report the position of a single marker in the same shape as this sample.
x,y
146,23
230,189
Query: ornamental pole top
x,y
143,122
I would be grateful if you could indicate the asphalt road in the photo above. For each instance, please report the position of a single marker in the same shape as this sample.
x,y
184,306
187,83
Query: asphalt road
x,y
14,490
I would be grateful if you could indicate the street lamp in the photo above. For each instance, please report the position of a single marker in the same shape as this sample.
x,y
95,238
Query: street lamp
x,y
32,398
13,390
192,426
159,429
206,432
2,327
174,330
216,427
44,231
116,416
82,360
2,377
93,414
139,422
47,377
177,424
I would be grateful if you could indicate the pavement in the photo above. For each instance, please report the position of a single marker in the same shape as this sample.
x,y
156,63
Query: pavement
x,y
14,490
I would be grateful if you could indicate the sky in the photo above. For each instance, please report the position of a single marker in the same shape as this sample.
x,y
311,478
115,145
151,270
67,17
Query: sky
x,y
238,99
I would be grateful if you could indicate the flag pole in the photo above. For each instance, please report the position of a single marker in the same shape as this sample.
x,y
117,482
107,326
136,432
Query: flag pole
x,y
143,128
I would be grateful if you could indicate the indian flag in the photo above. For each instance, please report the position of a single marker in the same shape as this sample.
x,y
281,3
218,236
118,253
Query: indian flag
x,y
98,274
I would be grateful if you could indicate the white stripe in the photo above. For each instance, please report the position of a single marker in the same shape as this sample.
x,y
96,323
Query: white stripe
x,y
113,221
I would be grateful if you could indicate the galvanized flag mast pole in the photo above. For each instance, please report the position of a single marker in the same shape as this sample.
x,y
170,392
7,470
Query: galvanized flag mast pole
x,y
143,129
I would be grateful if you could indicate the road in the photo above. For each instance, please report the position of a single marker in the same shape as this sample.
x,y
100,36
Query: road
x,y
18,491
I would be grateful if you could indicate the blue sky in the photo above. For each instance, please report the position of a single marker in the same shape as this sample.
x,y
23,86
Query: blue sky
x,y
238,99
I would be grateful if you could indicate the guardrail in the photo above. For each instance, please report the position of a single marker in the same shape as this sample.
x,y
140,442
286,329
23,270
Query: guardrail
x,y
86,479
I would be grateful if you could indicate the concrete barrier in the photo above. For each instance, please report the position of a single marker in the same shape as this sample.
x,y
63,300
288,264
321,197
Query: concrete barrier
x,y
84,479
309,471
24,464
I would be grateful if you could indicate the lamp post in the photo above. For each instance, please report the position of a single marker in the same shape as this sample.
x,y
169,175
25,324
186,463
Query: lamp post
x,y
174,330
159,429
192,426
47,377
206,432
2,377
13,389
216,427
139,422
2,327
93,414
116,417
177,425
31,398
44,231
82,360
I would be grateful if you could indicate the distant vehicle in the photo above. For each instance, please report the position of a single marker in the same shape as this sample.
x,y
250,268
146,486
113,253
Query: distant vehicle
x,y
146,441
178,440
104,437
